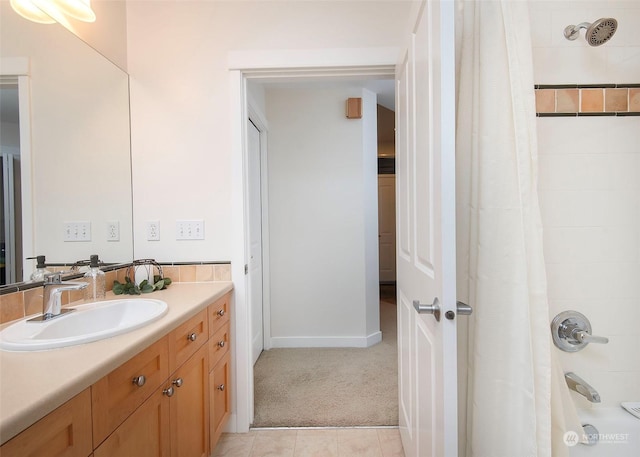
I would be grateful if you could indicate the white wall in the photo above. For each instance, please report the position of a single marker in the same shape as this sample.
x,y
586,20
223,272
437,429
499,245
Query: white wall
x,y
181,137
590,195
108,34
324,287
370,205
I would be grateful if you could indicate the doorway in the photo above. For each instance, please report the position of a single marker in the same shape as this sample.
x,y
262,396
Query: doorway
x,y
317,214
247,67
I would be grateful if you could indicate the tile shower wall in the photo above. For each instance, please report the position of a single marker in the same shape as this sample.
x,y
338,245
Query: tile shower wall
x,y
589,183
590,201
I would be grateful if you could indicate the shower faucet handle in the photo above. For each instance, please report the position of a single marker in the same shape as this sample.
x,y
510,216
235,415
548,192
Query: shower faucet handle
x,y
571,331
582,336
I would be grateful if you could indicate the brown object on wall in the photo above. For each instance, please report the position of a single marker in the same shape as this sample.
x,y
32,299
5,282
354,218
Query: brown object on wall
x,y
354,108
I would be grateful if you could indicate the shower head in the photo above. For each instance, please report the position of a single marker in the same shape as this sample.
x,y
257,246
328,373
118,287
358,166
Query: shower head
x,y
598,32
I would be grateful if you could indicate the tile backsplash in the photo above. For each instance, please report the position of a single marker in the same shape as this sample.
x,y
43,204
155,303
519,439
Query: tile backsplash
x,y
21,303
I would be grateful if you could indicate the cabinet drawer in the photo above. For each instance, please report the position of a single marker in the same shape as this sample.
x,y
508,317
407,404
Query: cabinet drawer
x,y
219,392
219,313
187,339
65,431
118,394
219,345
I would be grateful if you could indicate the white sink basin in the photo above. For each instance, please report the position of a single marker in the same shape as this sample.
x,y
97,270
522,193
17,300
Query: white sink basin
x,y
89,322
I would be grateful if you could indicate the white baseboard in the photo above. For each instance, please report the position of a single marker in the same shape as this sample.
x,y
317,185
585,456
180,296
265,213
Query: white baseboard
x,y
326,341
374,338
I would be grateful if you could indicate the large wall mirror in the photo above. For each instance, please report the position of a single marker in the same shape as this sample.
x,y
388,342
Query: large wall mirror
x,y
66,163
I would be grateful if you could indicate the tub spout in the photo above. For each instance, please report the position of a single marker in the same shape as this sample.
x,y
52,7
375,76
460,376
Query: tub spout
x,y
578,384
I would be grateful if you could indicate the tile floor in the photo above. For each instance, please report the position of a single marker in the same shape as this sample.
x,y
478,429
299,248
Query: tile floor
x,y
342,442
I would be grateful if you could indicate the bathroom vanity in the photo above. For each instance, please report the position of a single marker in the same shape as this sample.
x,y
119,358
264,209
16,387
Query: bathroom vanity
x,y
159,390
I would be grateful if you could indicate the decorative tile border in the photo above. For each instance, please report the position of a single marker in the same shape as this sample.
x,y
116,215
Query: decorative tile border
x,y
563,100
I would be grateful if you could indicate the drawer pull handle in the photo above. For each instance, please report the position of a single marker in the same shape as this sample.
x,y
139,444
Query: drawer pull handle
x,y
192,336
221,343
220,312
139,380
221,387
177,382
168,391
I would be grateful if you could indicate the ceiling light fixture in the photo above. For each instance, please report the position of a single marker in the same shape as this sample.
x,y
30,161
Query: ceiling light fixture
x,y
28,10
78,9
50,11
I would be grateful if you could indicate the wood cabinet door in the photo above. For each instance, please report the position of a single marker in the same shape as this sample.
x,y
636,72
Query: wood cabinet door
x,y
146,433
65,432
219,388
189,407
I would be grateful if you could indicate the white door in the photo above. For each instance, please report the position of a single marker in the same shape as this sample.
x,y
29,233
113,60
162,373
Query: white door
x,y
425,176
387,227
254,268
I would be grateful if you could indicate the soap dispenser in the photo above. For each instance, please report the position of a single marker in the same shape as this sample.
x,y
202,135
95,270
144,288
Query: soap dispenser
x,y
41,268
96,279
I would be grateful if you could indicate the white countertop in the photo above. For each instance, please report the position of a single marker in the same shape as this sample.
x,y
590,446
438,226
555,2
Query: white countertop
x,y
32,384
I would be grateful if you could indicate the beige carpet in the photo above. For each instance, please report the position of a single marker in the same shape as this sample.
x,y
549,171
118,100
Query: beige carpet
x,y
330,386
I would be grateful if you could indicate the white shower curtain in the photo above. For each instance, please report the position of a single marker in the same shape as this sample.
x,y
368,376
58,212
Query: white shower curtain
x,y
500,261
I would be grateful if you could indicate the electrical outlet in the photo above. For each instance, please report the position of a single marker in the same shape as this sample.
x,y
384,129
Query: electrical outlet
x,y
190,230
153,230
113,231
77,231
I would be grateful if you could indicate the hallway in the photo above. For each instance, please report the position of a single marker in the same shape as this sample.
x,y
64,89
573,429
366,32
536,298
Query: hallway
x,y
331,387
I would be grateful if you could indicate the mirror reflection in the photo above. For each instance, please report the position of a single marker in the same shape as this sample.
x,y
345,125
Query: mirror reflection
x,y
65,147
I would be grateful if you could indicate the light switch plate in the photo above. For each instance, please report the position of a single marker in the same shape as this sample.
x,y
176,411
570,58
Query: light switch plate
x,y
190,230
77,231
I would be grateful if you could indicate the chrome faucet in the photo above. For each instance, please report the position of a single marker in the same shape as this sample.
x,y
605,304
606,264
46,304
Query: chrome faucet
x,y
52,293
578,384
571,332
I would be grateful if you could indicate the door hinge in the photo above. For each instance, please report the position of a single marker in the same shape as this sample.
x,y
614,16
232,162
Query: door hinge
x,y
246,268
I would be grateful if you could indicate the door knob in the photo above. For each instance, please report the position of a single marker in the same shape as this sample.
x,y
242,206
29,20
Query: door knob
x,y
428,309
462,309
